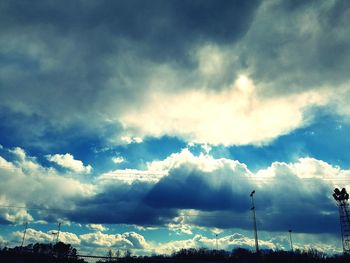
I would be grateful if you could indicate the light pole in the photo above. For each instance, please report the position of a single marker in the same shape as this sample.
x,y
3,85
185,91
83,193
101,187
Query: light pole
x,y
254,222
216,239
290,238
24,234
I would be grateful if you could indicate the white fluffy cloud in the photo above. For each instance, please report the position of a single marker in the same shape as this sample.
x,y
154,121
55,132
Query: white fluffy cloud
x,y
128,240
34,236
235,115
67,161
128,140
118,160
237,240
98,242
204,162
97,227
25,183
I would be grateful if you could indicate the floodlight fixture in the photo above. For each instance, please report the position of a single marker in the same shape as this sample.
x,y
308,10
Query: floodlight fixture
x,y
340,195
337,191
251,194
335,197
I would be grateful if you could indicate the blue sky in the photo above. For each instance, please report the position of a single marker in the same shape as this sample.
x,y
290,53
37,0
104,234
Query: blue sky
x,y
145,125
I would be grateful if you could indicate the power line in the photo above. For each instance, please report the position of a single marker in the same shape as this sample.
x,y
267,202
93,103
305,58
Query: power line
x,y
182,214
126,174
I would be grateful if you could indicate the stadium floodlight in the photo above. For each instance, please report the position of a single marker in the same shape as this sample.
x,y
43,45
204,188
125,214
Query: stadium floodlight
x,y
342,197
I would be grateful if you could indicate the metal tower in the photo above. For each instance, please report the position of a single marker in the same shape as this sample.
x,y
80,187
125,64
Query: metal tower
x,y
342,197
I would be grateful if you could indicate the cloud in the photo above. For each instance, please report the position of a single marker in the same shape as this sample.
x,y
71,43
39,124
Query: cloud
x,y
67,161
92,242
36,236
184,78
222,191
99,239
97,227
296,49
33,236
110,69
178,226
19,152
204,191
26,163
137,240
233,73
238,240
226,242
11,215
120,203
130,176
128,240
97,242
26,185
129,140
191,190
237,115
118,160
5,165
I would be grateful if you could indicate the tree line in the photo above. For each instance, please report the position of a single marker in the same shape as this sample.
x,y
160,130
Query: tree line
x,y
61,252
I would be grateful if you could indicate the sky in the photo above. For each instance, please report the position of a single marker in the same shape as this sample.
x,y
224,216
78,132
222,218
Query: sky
x,y
145,125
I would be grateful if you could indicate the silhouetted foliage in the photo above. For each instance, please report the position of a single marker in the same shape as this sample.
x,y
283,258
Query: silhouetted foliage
x,y
61,252
238,255
39,252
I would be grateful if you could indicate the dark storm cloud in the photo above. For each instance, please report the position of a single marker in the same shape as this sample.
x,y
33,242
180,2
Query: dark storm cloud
x,y
219,198
158,24
69,62
121,203
282,202
40,136
199,190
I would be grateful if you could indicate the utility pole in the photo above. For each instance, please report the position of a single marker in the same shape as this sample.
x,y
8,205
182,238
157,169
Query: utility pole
x,y
58,232
290,238
24,234
254,223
